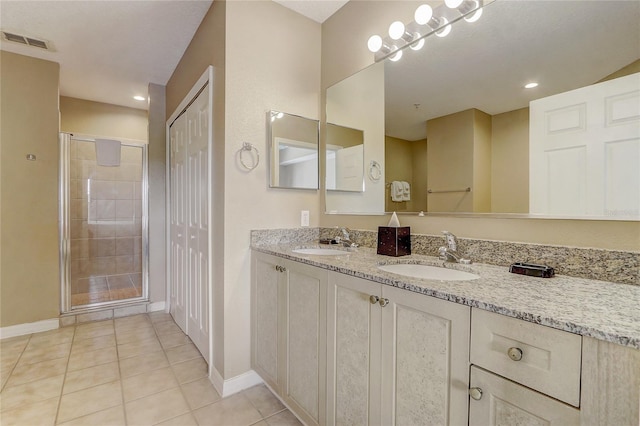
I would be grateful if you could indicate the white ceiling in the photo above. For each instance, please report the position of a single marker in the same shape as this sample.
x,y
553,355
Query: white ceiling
x,y
111,50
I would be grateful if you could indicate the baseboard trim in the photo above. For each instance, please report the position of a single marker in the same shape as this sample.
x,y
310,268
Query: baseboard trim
x,y
156,306
235,384
29,328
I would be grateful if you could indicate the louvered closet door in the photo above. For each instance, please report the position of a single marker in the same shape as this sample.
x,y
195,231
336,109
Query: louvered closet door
x,y
178,208
197,223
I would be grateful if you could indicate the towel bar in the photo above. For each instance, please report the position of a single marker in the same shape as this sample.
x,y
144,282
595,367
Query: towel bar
x,y
431,191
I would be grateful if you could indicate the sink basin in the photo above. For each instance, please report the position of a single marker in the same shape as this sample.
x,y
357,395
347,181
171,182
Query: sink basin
x,y
320,251
428,272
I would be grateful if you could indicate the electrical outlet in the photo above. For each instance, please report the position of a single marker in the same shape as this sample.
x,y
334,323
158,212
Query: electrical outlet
x,y
304,218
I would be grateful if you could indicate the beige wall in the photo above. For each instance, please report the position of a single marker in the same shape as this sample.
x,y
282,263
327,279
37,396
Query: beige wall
x,y
266,57
406,160
481,162
344,52
29,289
510,162
99,119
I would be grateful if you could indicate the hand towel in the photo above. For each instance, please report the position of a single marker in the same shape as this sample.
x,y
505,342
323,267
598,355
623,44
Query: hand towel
x,y
108,152
406,191
396,191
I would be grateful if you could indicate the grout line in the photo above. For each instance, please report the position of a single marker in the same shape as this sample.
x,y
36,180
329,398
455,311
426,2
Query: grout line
x,y
17,362
64,379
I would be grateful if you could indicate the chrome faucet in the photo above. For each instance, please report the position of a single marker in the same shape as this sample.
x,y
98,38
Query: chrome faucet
x,y
449,253
345,239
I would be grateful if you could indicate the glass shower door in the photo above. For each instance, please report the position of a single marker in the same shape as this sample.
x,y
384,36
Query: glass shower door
x,y
106,227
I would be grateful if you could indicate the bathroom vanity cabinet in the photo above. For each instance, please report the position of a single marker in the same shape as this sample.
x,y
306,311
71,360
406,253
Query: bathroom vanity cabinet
x,y
340,350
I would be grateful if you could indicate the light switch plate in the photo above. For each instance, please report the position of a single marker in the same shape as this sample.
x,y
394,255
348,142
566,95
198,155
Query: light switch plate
x,y
304,218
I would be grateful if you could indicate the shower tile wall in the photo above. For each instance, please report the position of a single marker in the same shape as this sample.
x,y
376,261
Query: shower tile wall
x,y
106,226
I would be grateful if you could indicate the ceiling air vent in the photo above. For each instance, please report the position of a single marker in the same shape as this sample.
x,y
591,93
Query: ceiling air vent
x,y
29,41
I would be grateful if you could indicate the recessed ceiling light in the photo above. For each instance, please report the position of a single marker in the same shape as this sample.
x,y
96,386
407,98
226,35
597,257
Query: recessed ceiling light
x,y
530,85
139,98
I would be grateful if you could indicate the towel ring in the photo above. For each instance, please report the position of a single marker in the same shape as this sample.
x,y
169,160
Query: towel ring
x,y
375,171
246,146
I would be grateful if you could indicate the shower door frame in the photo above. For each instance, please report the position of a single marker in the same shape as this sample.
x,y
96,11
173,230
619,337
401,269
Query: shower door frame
x,y
64,222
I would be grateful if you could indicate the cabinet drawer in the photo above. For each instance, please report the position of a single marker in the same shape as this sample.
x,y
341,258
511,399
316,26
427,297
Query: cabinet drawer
x,y
498,401
539,357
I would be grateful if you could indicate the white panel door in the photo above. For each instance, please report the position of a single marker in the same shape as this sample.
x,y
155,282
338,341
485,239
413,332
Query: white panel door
x,y
178,208
585,151
197,223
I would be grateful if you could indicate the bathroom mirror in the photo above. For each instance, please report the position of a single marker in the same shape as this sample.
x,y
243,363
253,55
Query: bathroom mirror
x,y
345,159
293,151
469,87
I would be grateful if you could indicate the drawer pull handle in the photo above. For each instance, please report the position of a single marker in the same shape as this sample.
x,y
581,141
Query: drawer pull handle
x,y
383,302
515,354
373,299
475,393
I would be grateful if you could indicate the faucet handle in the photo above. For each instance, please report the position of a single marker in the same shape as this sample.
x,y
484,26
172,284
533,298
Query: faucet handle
x,y
452,242
345,234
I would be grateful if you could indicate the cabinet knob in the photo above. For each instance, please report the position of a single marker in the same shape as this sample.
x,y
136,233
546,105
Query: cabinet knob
x,y
475,393
515,354
373,299
383,302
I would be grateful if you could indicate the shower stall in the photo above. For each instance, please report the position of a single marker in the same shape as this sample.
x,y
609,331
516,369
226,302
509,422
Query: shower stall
x,y
103,225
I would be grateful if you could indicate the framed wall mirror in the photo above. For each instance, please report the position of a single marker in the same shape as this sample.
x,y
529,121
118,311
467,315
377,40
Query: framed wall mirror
x,y
293,151
457,115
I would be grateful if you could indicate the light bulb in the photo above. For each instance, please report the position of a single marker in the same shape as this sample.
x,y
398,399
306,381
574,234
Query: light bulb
x,y
280,115
417,45
375,43
423,14
396,30
474,16
530,85
446,30
453,4
396,57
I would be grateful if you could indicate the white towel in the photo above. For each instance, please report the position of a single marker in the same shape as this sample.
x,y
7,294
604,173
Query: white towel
x,y
406,191
108,152
397,191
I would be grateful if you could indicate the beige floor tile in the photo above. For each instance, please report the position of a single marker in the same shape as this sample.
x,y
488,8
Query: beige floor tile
x,y
30,393
146,384
235,410
8,361
132,322
159,316
137,348
260,423
167,327
40,413
174,339
89,377
94,329
142,364
13,346
31,372
131,335
88,401
93,343
264,401
4,377
34,354
78,361
182,353
200,393
283,418
183,420
110,417
156,408
52,337
189,371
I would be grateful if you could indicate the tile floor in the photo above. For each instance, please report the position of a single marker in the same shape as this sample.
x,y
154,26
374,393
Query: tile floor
x,y
137,370
107,288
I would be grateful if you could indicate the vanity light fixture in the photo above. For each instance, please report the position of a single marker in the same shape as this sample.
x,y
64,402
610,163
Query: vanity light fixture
x,y
437,21
531,85
276,115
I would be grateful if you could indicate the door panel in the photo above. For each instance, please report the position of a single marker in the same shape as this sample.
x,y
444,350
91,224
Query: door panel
x,y
178,250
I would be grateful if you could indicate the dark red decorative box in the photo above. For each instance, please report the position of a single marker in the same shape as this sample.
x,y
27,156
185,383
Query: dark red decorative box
x,y
394,241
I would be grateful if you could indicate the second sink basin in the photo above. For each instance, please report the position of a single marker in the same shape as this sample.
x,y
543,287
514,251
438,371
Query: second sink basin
x,y
428,272
320,251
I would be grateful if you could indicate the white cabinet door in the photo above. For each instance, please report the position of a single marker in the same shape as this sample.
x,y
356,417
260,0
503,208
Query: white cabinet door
x,y
353,352
499,402
585,151
305,337
425,360
267,338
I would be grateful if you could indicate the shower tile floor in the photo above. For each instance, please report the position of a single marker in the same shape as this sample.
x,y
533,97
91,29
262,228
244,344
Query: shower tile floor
x,y
105,289
137,370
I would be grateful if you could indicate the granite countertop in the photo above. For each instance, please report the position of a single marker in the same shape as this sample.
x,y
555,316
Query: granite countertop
x,y
602,310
